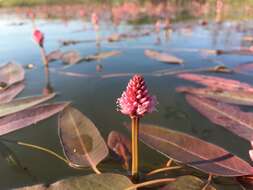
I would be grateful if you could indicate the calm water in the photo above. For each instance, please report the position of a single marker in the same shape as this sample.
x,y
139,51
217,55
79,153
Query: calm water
x,y
96,96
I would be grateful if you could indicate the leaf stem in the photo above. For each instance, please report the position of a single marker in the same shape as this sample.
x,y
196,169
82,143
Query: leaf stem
x,y
152,182
163,170
135,151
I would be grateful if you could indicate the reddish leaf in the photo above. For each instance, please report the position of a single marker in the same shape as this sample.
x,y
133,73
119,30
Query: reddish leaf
x,y
194,152
11,73
244,68
216,82
228,116
28,117
54,56
233,97
163,57
8,94
121,146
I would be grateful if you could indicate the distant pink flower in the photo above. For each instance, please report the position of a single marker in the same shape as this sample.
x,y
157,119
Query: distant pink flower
x,y
38,36
251,151
94,19
135,101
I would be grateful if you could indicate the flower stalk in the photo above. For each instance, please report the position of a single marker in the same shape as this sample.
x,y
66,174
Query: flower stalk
x,y
135,146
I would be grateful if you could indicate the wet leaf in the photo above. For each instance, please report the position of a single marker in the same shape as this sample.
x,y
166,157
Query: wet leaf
x,y
11,92
28,117
232,97
102,55
244,68
220,69
11,73
163,57
106,181
121,146
246,181
216,82
22,104
187,182
54,56
71,57
80,139
194,152
228,116
72,74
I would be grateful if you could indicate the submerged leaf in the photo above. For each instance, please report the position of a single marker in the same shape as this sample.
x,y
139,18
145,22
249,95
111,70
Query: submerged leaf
x,y
102,55
81,141
233,97
22,104
228,116
54,56
194,152
163,57
11,92
106,181
30,116
121,146
217,82
11,73
187,182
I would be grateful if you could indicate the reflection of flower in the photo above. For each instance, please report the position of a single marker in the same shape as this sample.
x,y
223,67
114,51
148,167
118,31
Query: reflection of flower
x,y
135,100
38,37
251,151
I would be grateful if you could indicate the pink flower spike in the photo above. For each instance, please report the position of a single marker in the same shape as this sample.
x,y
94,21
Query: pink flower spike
x,y
135,101
251,151
38,36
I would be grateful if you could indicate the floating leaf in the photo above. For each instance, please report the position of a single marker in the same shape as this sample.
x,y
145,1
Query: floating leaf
x,y
11,73
244,68
22,104
228,116
71,57
121,146
220,69
11,92
28,117
102,55
106,181
74,42
72,74
81,141
233,97
187,182
194,152
163,57
248,38
54,56
216,82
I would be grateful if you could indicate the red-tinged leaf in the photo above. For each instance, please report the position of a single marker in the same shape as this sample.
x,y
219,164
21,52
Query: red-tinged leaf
x,y
102,55
163,57
246,181
81,141
72,74
216,82
228,116
54,56
28,117
115,75
11,73
244,68
71,57
194,152
121,146
8,94
22,104
232,97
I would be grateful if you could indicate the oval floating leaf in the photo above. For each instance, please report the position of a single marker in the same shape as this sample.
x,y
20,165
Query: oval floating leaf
x,y
163,57
121,146
22,104
106,181
244,68
81,141
194,152
187,182
54,56
28,117
216,82
11,92
232,97
11,73
102,55
228,116
71,57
